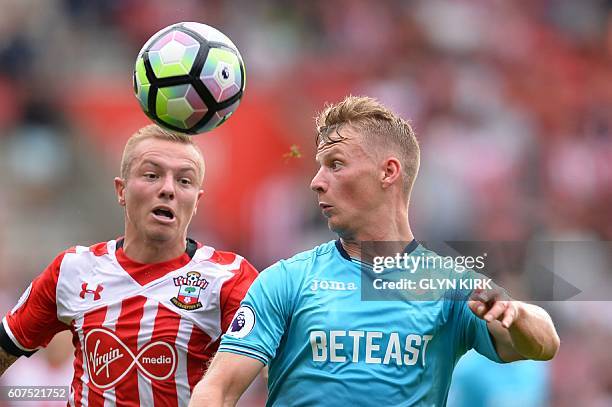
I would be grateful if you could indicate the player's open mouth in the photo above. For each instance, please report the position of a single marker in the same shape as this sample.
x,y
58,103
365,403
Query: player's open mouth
x,y
164,214
325,207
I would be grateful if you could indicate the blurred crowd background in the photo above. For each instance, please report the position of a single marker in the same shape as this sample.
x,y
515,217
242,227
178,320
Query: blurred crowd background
x,y
511,102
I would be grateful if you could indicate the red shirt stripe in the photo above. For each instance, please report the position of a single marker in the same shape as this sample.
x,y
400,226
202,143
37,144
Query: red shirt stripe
x,y
95,396
198,355
77,381
166,328
128,325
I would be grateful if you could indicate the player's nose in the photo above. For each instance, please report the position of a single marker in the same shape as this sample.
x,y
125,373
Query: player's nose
x,y
167,188
318,183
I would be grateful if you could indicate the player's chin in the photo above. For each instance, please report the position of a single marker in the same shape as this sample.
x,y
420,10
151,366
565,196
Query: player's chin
x,y
335,225
161,233
331,223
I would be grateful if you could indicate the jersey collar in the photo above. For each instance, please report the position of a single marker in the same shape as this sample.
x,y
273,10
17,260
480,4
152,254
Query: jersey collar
x,y
410,247
190,248
145,273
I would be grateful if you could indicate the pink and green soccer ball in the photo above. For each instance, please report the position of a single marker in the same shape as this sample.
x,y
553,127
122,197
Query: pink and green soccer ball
x,y
189,77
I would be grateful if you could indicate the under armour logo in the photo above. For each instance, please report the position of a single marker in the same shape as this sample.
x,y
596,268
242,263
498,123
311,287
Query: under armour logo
x,y
86,290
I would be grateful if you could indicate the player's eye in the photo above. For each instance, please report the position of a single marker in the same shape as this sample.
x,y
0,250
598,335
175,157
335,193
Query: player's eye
x,y
185,181
336,165
150,175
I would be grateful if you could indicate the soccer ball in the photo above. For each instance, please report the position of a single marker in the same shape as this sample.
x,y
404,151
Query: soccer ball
x,y
189,77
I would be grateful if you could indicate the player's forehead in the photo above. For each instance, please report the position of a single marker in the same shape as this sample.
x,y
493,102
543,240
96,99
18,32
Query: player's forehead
x,y
167,153
348,142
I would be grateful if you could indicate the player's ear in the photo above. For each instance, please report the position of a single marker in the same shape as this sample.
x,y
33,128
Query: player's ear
x,y
391,170
200,193
120,190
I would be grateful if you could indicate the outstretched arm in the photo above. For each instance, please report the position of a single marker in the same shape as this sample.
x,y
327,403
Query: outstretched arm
x,y
520,330
6,360
228,376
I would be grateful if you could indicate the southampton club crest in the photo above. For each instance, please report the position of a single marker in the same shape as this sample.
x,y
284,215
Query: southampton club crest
x,y
189,291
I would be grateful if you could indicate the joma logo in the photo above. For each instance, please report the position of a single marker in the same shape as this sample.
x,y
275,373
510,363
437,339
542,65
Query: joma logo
x,y
332,285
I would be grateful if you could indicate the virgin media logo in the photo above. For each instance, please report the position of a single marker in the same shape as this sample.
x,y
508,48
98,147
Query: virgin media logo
x,y
109,360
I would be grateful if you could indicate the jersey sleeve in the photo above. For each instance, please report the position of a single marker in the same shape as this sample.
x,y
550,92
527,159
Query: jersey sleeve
x,y
263,316
33,322
474,333
233,292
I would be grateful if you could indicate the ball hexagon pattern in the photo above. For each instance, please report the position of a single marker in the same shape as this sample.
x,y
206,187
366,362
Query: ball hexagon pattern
x,y
221,74
142,85
173,54
180,106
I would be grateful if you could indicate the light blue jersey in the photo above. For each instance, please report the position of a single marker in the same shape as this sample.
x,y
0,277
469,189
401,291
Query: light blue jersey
x,y
325,346
478,382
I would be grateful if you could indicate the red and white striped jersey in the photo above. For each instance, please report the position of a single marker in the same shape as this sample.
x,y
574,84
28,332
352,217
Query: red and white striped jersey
x,y
143,333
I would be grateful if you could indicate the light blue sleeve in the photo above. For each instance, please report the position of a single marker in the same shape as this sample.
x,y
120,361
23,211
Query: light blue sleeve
x,y
263,316
469,331
474,334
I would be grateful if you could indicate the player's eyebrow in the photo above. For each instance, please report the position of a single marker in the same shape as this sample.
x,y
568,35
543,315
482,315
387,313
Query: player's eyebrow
x,y
150,162
185,170
157,165
325,154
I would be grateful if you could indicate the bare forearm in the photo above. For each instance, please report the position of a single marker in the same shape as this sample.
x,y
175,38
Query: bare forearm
x,y
227,378
533,333
6,360
208,393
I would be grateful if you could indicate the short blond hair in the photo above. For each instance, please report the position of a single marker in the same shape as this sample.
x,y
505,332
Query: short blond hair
x,y
159,133
379,126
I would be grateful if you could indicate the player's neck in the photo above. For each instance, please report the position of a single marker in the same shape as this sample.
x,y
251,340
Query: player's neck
x,y
152,251
400,233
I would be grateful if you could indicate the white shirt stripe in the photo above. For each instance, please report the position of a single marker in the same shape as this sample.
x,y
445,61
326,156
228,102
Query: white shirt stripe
x,y
110,321
181,376
145,333
78,326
